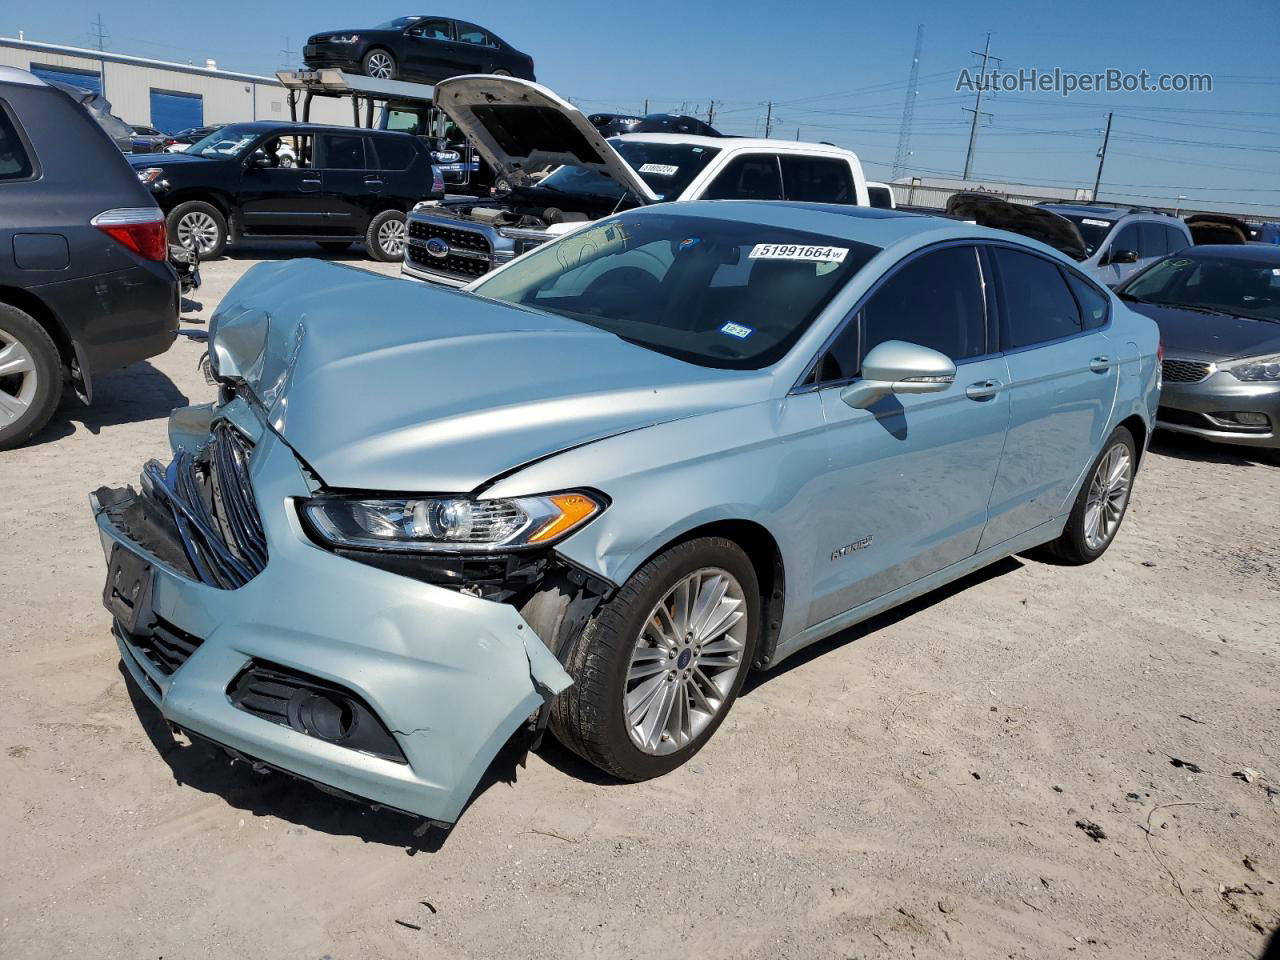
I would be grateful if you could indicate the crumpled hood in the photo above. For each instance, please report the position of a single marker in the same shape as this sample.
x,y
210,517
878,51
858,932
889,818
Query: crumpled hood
x,y
987,210
384,384
1193,334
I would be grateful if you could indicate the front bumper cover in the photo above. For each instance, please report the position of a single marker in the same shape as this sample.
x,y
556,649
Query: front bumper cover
x,y
450,675
1187,408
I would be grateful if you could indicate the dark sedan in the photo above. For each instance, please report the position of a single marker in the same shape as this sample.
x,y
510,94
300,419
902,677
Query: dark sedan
x,y
427,49
1218,308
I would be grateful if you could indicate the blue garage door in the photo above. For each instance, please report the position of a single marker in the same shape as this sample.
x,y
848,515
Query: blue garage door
x,y
171,112
85,79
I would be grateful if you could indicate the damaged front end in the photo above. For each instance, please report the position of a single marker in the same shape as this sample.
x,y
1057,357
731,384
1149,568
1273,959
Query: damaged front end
x,y
388,675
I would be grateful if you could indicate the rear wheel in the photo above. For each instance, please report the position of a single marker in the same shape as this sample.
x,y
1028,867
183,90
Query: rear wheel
x,y
386,235
30,377
658,668
198,226
502,72
379,64
1101,504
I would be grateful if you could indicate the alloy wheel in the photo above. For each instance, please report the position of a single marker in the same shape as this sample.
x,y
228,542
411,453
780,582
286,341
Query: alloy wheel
x,y
1108,495
378,66
198,231
391,237
18,380
685,661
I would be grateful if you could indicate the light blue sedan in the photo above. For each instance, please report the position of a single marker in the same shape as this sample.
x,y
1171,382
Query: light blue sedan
x,y
599,488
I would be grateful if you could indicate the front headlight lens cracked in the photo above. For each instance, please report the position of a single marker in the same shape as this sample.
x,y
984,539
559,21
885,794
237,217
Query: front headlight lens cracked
x,y
449,524
1266,369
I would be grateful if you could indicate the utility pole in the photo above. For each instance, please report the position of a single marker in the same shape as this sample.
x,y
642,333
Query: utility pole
x,y
768,121
646,106
976,110
797,133
1102,157
288,53
98,33
908,110
711,112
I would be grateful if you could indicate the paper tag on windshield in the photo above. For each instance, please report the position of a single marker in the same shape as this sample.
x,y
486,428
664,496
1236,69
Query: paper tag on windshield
x,y
1095,223
661,169
793,251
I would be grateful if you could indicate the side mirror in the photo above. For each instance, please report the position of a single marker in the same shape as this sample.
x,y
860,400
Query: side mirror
x,y
259,159
1123,256
899,367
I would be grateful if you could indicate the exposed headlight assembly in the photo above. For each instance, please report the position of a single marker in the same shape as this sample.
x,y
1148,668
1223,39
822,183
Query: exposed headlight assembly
x,y
449,524
1264,369
150,175
345,38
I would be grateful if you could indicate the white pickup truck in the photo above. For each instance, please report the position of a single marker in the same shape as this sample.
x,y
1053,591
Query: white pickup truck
x,y
523,129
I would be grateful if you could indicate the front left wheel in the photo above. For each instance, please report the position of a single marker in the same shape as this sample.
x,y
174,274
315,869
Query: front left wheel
x,y
379,64
386,235
658,668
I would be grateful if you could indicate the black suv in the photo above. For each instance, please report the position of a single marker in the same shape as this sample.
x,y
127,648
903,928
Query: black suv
x,y
84,281
334,185
427,49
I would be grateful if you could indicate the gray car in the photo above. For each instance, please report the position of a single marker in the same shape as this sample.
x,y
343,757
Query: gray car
x,y
1218,308
593,492
1119,241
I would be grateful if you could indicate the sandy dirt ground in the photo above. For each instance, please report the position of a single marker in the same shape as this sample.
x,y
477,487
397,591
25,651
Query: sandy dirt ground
x,y
912,787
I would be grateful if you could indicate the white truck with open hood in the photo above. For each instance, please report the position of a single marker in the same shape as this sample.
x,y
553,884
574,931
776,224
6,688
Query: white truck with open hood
x,y
524,130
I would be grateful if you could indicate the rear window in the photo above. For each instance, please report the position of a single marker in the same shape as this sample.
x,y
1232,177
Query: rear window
x,y
817,179
718,293
15,162
394,153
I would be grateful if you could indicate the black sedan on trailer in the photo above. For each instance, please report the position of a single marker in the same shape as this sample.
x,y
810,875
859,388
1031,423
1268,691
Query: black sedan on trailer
x,y
427,49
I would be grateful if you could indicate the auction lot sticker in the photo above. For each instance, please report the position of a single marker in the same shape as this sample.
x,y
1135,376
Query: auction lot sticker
x,y
661,169
793,251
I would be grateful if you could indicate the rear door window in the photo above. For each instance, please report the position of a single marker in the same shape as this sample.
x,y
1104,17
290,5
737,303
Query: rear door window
x,y
1093,303
1152,240
393,153
817,179
1176,238
468,33
1035,304
342,152
752,176
15,162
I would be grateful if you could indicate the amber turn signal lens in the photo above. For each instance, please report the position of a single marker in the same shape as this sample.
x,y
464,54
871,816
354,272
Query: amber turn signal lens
x,y
574,509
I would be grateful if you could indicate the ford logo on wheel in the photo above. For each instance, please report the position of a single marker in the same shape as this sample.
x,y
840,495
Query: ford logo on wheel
x,y
437,248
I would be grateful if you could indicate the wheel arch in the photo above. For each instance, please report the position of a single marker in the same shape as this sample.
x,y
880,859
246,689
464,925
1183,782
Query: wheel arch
x,y
212,197
42,313
1138,427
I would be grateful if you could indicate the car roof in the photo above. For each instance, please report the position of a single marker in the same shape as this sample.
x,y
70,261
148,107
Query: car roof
x,y
265,126
1257,252
18,75
1096,210
727,143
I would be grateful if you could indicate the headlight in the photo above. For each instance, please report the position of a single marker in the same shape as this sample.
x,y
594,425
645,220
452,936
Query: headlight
x,y
345,38
151,174
449,524
1267,368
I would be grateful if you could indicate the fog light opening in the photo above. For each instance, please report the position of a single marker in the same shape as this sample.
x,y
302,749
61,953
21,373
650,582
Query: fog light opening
x,y
326,716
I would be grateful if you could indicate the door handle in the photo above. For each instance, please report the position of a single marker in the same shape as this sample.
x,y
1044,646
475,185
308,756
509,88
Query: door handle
x,y
373,181
1100,364
310,184
983,389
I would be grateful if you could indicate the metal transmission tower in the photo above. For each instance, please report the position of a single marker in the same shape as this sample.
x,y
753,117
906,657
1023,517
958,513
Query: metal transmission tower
x,y
908,110
976,109
99,35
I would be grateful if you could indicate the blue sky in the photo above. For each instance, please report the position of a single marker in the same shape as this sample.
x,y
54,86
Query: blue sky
x,y
837,71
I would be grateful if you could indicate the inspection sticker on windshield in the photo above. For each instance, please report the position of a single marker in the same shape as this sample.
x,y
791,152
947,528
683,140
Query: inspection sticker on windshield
x,y
660,169
793,251
1095,223
737,330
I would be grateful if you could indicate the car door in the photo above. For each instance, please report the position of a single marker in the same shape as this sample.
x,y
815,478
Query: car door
x,y
349,188
746,176
475,50
277,200
911,476
1063,372
429,51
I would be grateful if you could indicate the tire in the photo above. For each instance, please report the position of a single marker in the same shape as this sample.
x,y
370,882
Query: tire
x,y
502,72
380,64
591,718
385,237
30,377
198,225
1081,541
334,246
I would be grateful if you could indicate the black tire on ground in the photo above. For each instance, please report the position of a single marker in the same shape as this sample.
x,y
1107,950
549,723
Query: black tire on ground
x,y
45,366
502,72
334,246
589,717
373,242
198,209
394,68
1071,547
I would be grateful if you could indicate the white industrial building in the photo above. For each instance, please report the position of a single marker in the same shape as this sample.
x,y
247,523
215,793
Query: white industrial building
x,y
165,95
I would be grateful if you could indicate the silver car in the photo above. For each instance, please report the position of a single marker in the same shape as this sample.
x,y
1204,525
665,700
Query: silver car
x,y
596,490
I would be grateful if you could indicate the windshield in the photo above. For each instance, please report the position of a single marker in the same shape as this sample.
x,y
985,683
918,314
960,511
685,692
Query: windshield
x,y
718,293
1092,229
229,141
1231,285
399,23
668,168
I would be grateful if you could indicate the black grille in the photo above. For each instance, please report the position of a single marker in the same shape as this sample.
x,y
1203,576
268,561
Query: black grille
x,y
1184,371
461,239
212,505
452,264
165,646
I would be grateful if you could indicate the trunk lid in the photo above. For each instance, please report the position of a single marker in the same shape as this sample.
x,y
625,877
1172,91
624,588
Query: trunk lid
x,y
522,127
